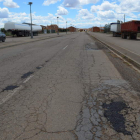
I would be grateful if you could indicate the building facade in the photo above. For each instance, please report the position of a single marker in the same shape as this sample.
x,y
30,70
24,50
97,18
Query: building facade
x,y
52,27
72,29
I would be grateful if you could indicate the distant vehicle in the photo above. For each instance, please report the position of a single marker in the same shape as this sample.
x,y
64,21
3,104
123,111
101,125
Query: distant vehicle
x,y
22,29
115,28
128,29
2,37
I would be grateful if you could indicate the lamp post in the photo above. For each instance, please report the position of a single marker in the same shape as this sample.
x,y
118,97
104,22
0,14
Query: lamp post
x,y
58,26
30,3
66,27
124,16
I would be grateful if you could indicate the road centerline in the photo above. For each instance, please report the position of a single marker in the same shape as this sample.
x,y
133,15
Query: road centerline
x,y
65,47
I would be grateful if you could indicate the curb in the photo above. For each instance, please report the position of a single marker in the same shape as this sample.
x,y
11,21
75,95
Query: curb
x,y
29,42
130,60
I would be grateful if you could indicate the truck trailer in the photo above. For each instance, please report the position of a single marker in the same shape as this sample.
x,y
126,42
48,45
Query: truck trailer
x,y
130,29
19,29
126,30
115,28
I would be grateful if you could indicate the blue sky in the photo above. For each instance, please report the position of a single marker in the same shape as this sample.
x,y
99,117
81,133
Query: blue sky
x,y
79,13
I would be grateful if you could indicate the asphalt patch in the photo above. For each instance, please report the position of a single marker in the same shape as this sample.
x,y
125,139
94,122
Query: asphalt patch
x,y
91,47
112,113
11,87
26,75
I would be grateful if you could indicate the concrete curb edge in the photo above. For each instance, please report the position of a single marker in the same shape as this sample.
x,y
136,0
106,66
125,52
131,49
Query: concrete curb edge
x,y
130,60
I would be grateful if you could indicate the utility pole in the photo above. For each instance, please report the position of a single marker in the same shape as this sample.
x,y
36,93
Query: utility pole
x,y
58,26
66,27
30,3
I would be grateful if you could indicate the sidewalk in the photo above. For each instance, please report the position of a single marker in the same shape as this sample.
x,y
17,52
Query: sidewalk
x,y
129,48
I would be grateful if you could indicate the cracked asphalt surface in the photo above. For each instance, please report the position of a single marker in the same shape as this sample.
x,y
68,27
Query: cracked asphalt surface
x,y
67,89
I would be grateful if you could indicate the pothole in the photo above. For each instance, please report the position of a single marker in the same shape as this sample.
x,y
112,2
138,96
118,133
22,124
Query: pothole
x,y
113,115
26,75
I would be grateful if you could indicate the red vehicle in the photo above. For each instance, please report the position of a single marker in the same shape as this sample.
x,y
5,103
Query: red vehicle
x,y
130,29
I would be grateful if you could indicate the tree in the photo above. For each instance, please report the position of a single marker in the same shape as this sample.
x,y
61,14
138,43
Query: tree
x,y
107,28
3,30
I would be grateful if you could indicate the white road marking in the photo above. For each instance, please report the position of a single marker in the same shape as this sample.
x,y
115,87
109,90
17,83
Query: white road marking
x,y
65,47
14,91
28,79
10,95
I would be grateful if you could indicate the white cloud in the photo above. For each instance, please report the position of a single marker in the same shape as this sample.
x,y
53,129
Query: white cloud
x,y
128,5
95,8
71,3
105,6
77,3
48,2
4,12
39,20
84,2
85,14
106,14
10,4
62,11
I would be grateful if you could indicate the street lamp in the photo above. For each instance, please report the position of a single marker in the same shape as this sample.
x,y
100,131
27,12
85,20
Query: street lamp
x,y
30,3
58,26
66,27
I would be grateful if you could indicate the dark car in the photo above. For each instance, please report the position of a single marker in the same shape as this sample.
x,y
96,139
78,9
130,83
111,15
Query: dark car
x,y
2,36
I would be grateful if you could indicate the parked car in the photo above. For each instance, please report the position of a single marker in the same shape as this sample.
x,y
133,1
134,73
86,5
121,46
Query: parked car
x,y
2,37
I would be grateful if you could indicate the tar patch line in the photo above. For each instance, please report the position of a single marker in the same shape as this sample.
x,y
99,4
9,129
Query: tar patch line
x,y
11,87
26,75
39,67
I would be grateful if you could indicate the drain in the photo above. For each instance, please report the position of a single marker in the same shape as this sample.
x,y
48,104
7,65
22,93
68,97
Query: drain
x,y
112,113
11,87
26,75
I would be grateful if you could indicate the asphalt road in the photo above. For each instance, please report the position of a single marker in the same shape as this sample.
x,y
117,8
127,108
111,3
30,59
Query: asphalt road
x,y
13,41
62,89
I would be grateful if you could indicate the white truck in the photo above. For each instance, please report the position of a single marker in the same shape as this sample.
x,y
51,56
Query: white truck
x,y
19,29
115,28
